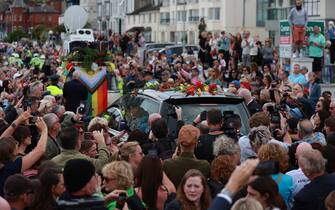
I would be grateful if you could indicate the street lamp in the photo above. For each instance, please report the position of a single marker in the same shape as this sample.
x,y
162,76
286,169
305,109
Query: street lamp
x,y
50,36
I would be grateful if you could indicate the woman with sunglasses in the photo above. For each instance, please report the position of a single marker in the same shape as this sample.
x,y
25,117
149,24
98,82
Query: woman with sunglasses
x,y
118,181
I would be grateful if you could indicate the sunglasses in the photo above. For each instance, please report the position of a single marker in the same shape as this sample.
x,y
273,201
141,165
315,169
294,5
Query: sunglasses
x,y
107,179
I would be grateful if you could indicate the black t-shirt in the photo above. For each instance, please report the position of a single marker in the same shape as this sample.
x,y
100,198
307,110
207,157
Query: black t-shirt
x,y
164,148
10,168
204,150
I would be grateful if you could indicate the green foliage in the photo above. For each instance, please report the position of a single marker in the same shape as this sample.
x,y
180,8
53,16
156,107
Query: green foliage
x,y
15,36
88,55
40,33
59,29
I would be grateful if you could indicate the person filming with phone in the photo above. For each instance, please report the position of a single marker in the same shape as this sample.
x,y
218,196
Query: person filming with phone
x,y
118,181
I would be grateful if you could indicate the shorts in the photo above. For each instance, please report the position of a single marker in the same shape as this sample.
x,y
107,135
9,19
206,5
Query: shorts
x,y
299,33
317,64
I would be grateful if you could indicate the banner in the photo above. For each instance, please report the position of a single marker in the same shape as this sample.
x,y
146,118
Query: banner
x,y
285,40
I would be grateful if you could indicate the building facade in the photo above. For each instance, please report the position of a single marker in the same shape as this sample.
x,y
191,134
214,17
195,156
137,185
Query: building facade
x,y
111,14
91,8
178,20
20,16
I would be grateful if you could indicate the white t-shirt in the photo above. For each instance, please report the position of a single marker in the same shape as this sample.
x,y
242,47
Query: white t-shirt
x,y
299,180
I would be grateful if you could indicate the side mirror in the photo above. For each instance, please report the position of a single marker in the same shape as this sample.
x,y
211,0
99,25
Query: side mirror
x,y
115,113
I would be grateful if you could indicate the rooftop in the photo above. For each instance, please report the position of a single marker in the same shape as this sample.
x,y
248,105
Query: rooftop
x,y
42,9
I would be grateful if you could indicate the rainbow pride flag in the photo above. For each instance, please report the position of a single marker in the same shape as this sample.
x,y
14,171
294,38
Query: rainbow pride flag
x,y
96,83
99,99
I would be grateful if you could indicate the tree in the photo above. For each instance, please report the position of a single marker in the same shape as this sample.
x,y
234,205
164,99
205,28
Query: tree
x,y
15,36
40,33
59,29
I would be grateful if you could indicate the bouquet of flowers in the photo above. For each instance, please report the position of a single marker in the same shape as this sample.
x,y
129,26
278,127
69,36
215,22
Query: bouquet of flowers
x,y
198,88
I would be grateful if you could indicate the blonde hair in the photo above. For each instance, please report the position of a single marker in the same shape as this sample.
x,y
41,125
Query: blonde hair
x,y
247,204
272,151
97,120
128,149
122,172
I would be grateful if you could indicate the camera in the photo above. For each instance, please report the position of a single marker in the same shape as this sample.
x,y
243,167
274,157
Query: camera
x,y
231,124
82,109
274,113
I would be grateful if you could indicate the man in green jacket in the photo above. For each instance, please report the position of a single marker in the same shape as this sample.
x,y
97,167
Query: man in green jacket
x,y
317,43
70,142
176,167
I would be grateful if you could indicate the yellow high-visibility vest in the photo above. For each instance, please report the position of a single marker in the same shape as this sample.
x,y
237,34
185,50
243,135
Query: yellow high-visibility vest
x,y
54,90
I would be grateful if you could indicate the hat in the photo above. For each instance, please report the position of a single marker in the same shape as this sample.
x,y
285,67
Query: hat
x,y
17,75
188,135
236,83
17,185
77,173
296,113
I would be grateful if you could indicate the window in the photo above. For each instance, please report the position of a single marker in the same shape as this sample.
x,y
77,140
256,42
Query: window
x,y
312,7
181,16
49,18
150,18
261,12
214,13
194,15
20,18
165,18
14,18
107,9
99,10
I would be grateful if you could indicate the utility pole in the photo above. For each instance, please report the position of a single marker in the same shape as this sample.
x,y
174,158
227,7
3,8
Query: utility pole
x,y
243,16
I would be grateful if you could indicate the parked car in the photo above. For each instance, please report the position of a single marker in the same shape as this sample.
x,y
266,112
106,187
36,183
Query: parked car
x,y
132,112
150,47
180,50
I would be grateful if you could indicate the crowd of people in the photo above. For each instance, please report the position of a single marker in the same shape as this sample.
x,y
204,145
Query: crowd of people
x,y
54,156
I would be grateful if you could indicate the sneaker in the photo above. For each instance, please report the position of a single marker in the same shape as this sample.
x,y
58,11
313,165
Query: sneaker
x,y
294,55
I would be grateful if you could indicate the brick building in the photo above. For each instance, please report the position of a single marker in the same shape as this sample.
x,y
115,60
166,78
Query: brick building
x,y
18,15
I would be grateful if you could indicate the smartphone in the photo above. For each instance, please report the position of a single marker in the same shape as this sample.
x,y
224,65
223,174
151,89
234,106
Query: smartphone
x,y
88,135
121,200
203,116
32,120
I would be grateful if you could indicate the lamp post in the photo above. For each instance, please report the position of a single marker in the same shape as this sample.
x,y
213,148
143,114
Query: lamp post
x,y
50,37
